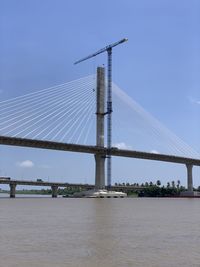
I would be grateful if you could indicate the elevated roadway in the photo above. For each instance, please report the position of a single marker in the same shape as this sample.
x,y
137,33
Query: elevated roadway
x,y
55,185
14,141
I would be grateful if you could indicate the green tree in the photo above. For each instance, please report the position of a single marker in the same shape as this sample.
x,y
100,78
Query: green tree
x,y
158,182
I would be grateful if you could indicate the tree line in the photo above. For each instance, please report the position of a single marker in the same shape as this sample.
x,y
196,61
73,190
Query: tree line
x,y
150,189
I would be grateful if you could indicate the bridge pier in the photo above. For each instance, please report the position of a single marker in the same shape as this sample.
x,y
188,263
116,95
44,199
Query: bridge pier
x,y
189,178
54,189
100,171
12,190
189,192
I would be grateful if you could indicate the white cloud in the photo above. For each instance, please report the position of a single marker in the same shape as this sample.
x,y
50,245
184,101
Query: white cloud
x,y
122,145
194,101
26,164
154,151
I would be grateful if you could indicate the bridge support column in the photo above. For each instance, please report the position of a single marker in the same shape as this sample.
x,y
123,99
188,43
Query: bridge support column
x,y
12,190
100,171
189,178
189,192
54,189
99,158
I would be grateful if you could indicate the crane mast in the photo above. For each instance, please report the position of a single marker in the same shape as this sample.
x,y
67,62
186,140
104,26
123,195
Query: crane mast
x,y
109,101
109,118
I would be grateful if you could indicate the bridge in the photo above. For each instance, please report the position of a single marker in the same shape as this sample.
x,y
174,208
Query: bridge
x,y
15,124
55,185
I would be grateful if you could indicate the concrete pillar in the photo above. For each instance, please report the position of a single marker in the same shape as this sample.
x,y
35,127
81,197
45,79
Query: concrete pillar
x,y
189,177
100,104
100,171
12,190
99,158
54,189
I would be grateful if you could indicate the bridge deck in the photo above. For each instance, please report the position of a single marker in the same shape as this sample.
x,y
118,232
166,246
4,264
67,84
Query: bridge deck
x,y
42,183
13,141
85,186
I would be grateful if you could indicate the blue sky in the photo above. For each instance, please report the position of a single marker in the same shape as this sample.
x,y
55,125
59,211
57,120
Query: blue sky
x,y
158,67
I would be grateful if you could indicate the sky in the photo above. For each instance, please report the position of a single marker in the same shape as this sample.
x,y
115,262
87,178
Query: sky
x,y
158,67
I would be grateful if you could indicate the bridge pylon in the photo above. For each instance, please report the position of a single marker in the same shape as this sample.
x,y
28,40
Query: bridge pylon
x,y
100,113
100,191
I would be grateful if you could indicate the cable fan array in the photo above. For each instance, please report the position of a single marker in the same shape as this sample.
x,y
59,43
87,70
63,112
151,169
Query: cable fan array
x,y
63,113
66,113
141,131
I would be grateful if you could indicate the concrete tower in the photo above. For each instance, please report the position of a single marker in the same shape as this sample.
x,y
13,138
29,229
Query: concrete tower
x,y
100,112
100,190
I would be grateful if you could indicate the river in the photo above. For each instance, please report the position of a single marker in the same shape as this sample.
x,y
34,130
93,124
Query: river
x,y
137,232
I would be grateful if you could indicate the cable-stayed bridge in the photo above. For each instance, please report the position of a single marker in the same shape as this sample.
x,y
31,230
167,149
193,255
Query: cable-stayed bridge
x,y
63,117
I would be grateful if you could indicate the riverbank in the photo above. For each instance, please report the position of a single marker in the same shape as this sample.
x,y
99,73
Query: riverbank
x,y
150,190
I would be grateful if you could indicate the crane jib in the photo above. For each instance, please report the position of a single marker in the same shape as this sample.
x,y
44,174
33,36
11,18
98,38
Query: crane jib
x,y
108,47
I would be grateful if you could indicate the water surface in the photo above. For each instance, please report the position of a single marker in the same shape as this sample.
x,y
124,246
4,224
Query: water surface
x,y
99,232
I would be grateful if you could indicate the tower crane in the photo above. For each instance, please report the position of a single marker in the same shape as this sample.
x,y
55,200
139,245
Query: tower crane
x,y
107,49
